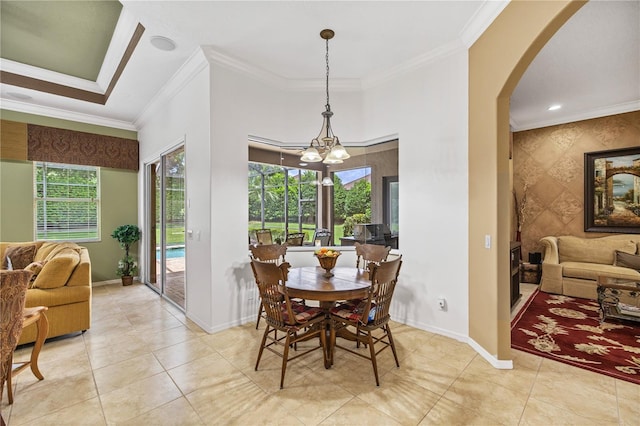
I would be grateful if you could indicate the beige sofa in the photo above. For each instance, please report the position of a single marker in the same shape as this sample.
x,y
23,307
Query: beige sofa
x,y
61,281
571,265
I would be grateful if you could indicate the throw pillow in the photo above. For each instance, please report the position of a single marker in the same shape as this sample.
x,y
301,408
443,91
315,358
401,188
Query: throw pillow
x,y
35,267
627,260
20,256
56,272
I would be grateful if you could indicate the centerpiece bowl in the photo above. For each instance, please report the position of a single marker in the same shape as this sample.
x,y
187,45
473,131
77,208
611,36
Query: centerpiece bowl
x,y
327,259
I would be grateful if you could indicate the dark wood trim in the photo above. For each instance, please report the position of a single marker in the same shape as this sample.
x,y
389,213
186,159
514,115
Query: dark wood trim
x,y
265,156
49,87
72,92
135,38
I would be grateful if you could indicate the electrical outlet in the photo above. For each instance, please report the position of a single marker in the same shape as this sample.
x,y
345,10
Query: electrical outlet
x,y
442,304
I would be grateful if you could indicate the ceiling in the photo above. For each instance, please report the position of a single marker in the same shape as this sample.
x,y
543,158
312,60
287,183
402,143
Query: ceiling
x,y
591,66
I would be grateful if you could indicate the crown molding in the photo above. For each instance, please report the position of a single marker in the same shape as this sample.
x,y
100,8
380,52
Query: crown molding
x,y
49,76
413,64
29,108
192,66
579,116
481,20
122,35
218,58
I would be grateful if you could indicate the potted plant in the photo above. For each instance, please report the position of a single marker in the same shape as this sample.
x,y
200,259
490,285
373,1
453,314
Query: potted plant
x,y
127,267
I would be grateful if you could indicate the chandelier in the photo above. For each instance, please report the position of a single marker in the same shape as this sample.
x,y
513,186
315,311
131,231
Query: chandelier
x,y
325,147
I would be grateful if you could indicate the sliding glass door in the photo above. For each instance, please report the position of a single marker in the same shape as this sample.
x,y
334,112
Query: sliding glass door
x,y
166,223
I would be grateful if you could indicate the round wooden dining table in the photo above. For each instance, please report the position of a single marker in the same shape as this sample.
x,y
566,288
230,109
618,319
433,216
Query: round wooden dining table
x,y
309,283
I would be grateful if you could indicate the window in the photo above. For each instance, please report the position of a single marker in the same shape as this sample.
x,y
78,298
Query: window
x,y
67,202
274,190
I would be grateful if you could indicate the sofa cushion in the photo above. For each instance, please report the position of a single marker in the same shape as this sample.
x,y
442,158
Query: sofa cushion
x,y
602,251
57,270
20,255
627,260
58,296
590,271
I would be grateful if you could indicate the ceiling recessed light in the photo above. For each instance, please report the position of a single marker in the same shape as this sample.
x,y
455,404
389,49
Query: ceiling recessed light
x,y
163,43
19,96
554,107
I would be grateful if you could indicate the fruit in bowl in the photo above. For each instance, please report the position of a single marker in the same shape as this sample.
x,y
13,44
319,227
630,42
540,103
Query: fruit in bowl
x,y
326,252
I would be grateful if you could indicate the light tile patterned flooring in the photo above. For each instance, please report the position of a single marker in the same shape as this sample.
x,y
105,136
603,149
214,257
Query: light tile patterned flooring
x,y
143,363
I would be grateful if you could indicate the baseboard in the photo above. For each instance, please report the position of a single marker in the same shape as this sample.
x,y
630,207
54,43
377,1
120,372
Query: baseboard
x,y
500,364
109,282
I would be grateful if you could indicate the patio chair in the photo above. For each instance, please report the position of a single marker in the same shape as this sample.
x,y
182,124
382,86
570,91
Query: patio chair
x,y
295,239
322,235
263,236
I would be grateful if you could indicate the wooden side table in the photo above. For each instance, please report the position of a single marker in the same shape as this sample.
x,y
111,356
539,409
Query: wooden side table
x,y
36,316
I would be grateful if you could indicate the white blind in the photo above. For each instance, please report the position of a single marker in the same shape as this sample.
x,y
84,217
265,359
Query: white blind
x,y
67,202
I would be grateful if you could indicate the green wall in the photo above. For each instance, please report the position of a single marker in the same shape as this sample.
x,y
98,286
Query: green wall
x,y
118,189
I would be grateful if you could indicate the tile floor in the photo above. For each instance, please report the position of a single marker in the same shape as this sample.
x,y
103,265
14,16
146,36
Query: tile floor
x,y
143,363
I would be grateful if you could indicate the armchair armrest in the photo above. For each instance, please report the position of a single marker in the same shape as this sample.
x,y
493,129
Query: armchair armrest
x,y
550,250
551,281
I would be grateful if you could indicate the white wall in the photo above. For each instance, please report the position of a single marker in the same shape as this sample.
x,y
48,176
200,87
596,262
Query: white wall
x,y
427,108
185,116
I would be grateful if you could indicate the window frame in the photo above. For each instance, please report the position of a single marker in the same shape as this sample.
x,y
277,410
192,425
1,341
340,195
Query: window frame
x,y
44,234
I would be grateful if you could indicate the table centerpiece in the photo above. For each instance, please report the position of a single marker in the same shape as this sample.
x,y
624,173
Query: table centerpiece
x,y
327,258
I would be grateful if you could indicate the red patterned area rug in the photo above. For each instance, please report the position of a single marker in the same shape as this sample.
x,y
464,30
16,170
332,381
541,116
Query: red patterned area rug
x,y
568,330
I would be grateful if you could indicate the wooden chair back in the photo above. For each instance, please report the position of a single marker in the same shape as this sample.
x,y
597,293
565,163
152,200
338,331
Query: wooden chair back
x,y
384,277
273,253
324,235
370,253
263,236
295,239
271,279
13,294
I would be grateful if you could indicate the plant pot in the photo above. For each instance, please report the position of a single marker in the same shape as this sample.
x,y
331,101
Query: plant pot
x,y
127,280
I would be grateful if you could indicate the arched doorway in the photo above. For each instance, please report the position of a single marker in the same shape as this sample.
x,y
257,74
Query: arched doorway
x,y
496,62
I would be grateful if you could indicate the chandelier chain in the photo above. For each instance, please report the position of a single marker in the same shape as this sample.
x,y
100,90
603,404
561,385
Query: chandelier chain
x,y
327,59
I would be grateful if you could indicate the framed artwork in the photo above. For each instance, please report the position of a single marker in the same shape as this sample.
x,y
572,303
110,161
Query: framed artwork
x,y
612,191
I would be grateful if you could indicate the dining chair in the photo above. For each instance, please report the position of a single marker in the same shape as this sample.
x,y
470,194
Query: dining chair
x,y
274,253
370,314
370,253
13,294
295,239
263,236
284,316
322,235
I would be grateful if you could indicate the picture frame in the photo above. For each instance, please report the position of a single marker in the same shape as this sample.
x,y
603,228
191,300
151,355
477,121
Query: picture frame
x,y
612,191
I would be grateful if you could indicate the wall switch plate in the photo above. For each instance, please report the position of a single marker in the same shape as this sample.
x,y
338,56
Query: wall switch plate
x,y
487,241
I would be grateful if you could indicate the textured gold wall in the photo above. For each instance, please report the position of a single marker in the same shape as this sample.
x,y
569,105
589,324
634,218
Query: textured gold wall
x,y
550,162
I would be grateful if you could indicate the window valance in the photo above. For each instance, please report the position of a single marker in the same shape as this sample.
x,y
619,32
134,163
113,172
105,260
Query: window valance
x,y
72,147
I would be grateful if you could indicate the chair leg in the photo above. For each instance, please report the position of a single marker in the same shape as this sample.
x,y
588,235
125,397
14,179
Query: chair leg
x,y
285,358
9,384
372,350
393,345
259,315
264,340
